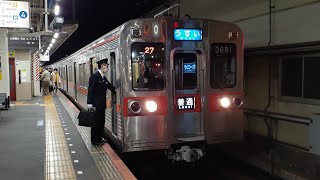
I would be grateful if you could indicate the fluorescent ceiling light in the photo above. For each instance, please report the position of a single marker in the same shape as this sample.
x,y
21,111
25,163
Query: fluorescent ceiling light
x,y
56,35
57,10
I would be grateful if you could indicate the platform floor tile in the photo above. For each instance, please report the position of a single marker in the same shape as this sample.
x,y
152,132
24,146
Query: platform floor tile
x,y
107,169
22,141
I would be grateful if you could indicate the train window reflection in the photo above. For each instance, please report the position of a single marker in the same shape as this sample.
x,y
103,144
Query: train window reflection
x,y
147,66
185,66
223,65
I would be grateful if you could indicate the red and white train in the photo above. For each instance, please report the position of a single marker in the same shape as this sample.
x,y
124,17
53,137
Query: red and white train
x,y
179,83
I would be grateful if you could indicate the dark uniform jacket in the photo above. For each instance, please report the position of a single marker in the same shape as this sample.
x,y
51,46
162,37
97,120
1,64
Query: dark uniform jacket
x,y
98,90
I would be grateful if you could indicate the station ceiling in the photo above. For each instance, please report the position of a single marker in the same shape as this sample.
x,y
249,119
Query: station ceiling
x,y
38,34
226,10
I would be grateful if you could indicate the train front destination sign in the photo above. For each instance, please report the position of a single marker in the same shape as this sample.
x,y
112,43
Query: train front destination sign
x,y
186,103
188,34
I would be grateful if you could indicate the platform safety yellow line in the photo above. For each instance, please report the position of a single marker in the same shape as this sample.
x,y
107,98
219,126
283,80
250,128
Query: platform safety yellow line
x,y
58,163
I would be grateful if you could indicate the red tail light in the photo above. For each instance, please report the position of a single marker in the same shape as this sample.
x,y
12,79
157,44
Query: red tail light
x,y
237,101
135,107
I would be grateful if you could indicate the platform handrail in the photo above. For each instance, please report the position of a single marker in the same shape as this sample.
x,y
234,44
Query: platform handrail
x,y
280,116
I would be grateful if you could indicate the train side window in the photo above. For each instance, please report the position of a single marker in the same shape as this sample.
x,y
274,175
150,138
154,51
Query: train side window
x,y
70,74
87,73
94,65
81,75
63,76
147,64
223,65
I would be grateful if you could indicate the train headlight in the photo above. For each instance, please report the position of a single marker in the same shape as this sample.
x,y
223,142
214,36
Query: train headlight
x,y
225,102
151,106
135,107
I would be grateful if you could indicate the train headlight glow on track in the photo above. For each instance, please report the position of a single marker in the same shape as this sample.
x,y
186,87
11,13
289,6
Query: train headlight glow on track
x,y
225,102
151,106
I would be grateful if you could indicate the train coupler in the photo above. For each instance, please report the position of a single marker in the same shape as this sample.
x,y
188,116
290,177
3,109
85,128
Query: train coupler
x,y
187,154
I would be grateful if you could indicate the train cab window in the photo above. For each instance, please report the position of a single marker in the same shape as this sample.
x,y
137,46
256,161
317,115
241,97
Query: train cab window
x,y
223,65
147,64
185,66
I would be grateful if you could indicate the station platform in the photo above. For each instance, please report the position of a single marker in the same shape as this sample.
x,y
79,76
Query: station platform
x,y
40,139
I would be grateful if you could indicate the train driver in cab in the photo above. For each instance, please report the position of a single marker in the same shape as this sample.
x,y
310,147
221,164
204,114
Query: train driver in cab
x,y
96,100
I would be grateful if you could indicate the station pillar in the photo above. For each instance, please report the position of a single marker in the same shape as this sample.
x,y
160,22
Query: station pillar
x,y
4,62
35,65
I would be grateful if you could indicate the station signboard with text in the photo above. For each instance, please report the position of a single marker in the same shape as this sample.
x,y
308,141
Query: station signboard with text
x,y
14,14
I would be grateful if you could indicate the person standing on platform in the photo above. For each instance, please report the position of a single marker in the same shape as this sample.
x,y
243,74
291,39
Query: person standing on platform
x,y
45,77
55,80
97,91
50,82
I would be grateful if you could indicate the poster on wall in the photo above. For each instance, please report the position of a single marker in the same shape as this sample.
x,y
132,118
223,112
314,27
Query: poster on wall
x,y
0,69
24,75
12,54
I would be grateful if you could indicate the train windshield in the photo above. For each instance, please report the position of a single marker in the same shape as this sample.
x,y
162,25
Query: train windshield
x,y
223,65
147,60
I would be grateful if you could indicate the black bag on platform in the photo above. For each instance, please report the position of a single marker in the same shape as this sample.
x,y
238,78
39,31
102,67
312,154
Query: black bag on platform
x,y
86,118
50,88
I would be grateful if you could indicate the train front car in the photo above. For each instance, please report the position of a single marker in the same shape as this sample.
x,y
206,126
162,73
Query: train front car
x,y
145,85
206,85
223,83
183,86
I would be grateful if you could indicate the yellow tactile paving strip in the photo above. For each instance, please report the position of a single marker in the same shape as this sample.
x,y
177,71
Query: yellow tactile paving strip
x,y
106,167
58,163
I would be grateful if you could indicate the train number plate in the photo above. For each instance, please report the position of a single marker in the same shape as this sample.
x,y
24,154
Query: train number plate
x,y
186,103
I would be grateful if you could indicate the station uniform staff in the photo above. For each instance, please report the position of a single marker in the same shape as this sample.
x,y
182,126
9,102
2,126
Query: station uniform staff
x,y
98,85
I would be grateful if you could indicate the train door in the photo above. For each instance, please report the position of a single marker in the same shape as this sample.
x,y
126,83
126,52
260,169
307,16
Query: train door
x,y
186,77
67,79
75,80
113,94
